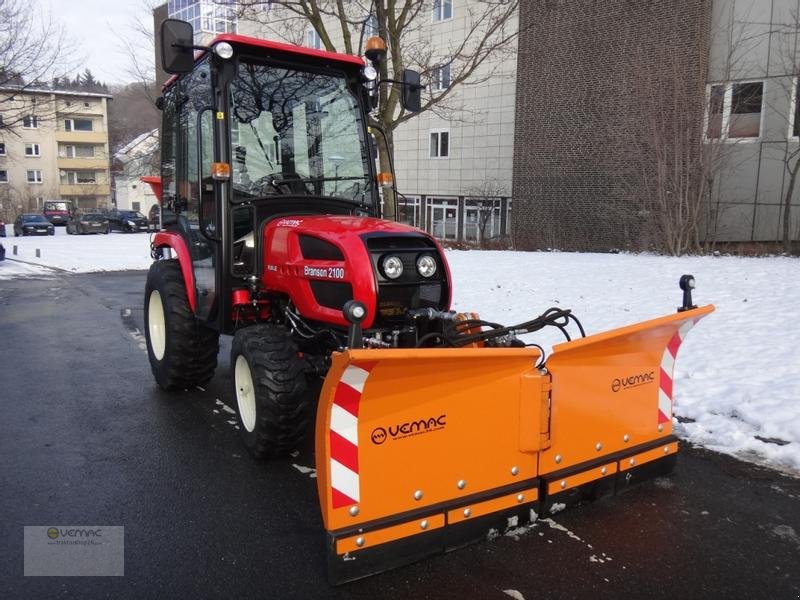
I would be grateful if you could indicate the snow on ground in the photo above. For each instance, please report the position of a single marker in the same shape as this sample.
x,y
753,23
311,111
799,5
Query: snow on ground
x,y
737,376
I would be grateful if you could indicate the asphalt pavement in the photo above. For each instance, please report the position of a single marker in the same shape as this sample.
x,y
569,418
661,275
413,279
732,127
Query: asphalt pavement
x,y
87,438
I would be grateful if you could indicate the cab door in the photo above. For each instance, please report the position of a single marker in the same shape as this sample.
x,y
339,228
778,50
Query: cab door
x,y
187,154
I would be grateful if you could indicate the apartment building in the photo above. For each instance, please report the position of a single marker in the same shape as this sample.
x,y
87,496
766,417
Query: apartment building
x,y
55,146
453,164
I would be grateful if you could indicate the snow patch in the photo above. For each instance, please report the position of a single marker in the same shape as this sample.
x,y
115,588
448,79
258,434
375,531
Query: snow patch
x,y
306,470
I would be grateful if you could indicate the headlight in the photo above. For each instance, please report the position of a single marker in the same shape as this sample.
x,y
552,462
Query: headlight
x,y
224,50
426,265
131,223
392,267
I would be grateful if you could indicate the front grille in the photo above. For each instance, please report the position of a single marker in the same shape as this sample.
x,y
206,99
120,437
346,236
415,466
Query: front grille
x,y
410,290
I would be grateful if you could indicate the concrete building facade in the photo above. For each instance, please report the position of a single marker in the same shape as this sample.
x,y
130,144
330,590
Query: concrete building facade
x,y
58,149
591,75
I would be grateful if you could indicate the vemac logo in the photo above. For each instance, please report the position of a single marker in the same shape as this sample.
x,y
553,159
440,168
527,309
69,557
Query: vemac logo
x,y
408,429
633,381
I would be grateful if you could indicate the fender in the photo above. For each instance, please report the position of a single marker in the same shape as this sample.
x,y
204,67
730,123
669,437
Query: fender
x,y
173,241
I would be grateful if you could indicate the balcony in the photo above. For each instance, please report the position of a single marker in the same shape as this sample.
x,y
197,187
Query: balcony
x,y
85,189
95,164
82,137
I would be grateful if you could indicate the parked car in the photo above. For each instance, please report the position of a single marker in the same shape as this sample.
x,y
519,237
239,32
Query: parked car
x,y
33,224
2,228
2,252
130,221
58,212
88,223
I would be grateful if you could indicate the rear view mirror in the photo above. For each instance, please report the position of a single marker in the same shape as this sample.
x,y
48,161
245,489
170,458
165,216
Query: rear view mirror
x,y
411,98
177,41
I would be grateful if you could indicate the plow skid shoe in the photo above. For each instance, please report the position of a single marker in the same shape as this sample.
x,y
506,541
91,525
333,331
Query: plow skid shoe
x,y
419,451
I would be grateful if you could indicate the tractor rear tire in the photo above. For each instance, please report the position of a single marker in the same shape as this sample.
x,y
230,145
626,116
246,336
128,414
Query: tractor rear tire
x,y
182,351
270,384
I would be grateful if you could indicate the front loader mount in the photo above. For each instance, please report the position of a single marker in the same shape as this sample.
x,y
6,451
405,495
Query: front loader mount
x,y
420,451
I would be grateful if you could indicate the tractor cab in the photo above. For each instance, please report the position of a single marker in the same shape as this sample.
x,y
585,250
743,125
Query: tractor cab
x,y
254,130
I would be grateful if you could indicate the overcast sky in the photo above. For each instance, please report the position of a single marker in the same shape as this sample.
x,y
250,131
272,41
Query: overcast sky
x,y
98,27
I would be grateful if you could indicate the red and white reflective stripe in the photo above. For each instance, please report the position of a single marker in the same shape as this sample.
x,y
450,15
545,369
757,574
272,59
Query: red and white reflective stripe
x,y
344,436
667,372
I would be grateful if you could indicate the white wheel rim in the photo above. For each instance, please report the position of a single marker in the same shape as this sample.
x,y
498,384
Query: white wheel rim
x,y
245,393
156,326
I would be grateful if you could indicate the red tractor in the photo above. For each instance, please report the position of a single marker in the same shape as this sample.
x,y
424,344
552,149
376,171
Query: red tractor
x,y
268,173
430,426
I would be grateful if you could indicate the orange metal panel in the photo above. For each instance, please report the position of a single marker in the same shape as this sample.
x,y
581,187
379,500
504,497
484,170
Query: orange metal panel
x,y
649,455
470,511
433,425
577,479
605,391
389,534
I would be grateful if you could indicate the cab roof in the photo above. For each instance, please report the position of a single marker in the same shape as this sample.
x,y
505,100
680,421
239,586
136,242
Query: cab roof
x,y
244,40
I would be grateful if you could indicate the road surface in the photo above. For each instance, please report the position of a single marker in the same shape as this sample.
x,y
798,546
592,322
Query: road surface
x,y
87,438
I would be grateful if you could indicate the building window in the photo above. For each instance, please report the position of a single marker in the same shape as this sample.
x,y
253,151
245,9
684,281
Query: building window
x,y
440,144
2,148
734,110
30,122
32,150
481,220
442,218
408,210
442,10
78,177
78,125
34,176
441,78
3,176
82,151
370,26
137,206
313,40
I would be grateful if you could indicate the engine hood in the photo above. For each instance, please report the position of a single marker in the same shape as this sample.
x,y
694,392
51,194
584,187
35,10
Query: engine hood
x,y
321,261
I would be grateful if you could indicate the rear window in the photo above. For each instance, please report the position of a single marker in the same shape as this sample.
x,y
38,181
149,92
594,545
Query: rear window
x,y
94,217
56,206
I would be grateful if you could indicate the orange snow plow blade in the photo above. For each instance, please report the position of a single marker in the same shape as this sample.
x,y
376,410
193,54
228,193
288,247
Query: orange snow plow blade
x,y
421,451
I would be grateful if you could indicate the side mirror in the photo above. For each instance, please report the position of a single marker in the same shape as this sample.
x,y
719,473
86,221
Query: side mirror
x,y
411,98
177,41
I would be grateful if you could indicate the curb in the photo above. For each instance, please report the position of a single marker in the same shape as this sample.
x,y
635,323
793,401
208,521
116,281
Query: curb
x,y
27,262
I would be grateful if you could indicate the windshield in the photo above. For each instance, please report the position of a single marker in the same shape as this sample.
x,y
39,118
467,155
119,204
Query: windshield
x,y
296,133
130,214
55,206
34,219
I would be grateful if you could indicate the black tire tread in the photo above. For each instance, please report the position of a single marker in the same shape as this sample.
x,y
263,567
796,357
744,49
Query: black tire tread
x,y
190,357
281,387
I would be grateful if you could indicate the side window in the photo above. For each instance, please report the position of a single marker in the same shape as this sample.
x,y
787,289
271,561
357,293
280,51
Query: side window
x,y
195,95
168,148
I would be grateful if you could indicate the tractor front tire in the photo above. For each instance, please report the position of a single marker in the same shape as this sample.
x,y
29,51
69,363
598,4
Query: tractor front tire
x,y
270,384
182,351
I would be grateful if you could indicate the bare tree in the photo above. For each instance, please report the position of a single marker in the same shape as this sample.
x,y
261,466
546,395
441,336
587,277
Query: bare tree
x,y
485,202
33,50
341,26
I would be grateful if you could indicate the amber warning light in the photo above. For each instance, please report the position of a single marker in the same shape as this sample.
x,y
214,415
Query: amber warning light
x,y
220,170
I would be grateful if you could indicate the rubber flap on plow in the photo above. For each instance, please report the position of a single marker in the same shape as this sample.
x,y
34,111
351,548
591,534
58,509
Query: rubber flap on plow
x,y
420,451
